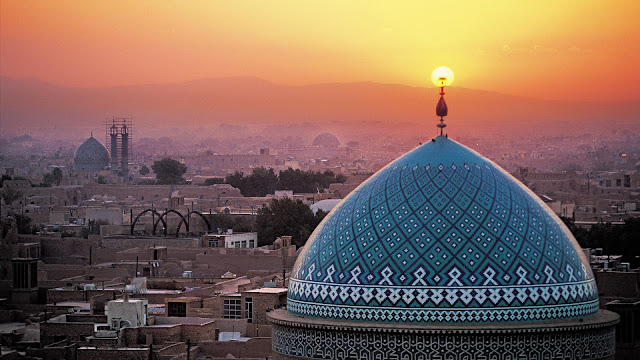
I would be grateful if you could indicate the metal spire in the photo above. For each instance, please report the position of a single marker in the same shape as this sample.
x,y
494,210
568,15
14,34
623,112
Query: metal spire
x,y
441,108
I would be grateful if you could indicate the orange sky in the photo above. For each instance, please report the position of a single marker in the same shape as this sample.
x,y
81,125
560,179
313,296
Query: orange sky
x,y
578,50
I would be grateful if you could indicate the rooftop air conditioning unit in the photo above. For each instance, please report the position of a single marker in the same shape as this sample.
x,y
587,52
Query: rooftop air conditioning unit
x,y
89,287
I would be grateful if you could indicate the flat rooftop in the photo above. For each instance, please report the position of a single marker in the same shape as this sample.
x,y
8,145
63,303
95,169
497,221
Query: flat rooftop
x,y
131,300
268,290
8,328
72,304
184,299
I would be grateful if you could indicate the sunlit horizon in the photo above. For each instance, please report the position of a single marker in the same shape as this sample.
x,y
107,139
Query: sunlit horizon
x,y
545,50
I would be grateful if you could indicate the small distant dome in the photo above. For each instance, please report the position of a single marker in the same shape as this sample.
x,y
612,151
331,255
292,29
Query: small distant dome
x,y
326,140
91,156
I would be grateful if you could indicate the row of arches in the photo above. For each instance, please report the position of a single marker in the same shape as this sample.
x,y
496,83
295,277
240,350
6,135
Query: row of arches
x,y
184,219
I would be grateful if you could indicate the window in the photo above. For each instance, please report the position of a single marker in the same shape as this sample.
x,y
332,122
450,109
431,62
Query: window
x,y
177,309
248,309
213,242
20,275
232,309
34,275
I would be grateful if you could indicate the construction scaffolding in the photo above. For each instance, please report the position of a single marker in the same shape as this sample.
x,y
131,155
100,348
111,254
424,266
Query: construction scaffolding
x,y
119,136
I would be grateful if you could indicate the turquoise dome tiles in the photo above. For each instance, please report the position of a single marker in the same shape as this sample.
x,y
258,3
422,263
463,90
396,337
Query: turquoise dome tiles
x,y
442,234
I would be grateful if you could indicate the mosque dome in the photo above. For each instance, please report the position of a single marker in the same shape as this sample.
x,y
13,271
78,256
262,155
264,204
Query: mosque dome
x,y
91,155
442,235
327,140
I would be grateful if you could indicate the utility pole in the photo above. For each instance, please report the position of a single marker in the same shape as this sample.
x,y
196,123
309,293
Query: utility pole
x,y
153,220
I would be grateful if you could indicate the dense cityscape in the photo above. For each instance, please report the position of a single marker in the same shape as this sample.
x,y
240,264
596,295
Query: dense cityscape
x,y
183,239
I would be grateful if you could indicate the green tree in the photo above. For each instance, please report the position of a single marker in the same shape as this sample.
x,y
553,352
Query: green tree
x,y
236,180
613,239
57,176
237,223
296,180
286,217
307,181
101,179
578,232
93,227
24,225
260,183
144,170
264,181
169,171
10,195
3,178
212,181
47,179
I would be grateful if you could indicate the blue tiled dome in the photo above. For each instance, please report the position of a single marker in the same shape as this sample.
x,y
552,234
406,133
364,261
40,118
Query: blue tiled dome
x,y
442,235
91,155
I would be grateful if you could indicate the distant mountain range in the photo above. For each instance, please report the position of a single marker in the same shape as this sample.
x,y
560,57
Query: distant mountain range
x,y
248,100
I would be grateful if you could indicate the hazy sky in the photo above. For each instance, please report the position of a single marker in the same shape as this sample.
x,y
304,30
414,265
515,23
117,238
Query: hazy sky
x,y
578,50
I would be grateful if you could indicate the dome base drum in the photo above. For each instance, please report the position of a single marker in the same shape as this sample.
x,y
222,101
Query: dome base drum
x,y
577,339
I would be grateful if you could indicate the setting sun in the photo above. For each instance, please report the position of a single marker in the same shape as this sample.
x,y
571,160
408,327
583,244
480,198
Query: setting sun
x,y
442,76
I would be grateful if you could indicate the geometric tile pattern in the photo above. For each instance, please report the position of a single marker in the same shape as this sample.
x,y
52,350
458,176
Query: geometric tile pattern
x,y
436,236
496,310
325,344
511,314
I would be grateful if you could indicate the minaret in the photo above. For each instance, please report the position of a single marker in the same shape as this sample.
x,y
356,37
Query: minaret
x,y
113,132
124,161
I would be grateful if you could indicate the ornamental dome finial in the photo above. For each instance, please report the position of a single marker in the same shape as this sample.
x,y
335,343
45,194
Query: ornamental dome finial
x,y
441,77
